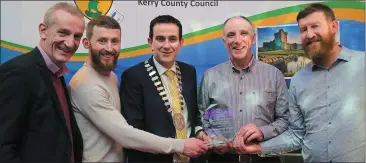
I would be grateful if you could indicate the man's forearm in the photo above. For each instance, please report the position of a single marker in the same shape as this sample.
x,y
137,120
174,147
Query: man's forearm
x,y
283,143
274,129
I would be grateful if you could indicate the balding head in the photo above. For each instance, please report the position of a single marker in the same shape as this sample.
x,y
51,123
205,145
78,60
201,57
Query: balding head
x,y
238,17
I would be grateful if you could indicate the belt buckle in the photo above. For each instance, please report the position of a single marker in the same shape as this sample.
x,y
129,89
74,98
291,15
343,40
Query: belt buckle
x,y
245,158
242,158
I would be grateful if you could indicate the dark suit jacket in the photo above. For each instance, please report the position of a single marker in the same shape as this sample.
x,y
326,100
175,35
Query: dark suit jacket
x,y
32,124
144,109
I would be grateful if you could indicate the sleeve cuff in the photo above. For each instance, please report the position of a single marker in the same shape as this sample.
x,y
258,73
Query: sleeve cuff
x,y
197,128
269,150
178,145
266,131
265,148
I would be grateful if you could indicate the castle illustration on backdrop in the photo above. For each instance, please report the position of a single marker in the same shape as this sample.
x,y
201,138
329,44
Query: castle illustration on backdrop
x,y
280,51
280,43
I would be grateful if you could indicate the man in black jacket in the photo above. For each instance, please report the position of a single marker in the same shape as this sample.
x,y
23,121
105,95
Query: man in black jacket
x,y
36,121
160,95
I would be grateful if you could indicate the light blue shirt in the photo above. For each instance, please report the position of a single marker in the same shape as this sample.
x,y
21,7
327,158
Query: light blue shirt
x,y
326,112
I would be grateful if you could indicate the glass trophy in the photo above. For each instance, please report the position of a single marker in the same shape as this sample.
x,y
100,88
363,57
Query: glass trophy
x,y
219,123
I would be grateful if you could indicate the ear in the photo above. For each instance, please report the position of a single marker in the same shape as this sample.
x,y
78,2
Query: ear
x,y
42,29
223,41
254,38
181,42
86,43
224,38
149,40
334,26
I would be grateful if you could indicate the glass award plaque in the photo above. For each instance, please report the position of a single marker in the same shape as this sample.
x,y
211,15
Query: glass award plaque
x,y
219,123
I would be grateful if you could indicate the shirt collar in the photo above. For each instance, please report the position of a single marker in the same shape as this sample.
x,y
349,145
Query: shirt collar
x,y
247,69
161,69
52,66
344,55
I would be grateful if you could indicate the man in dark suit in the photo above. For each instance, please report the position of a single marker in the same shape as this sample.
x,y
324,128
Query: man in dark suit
x,y
160,95
36,121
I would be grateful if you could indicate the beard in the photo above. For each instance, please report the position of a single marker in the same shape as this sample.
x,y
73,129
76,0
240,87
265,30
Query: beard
x,y
97,59
320,51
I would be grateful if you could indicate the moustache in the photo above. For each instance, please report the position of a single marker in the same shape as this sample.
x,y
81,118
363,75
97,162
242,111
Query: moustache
x,y
113,52
313,39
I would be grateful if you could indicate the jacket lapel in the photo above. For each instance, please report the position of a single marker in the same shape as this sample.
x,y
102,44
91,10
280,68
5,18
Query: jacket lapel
x,y
184,80
47,78
66,95
185,89
75,132
168,114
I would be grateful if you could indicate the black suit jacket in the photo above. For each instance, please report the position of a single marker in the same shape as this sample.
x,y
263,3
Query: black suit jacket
x,y
144,109
32,124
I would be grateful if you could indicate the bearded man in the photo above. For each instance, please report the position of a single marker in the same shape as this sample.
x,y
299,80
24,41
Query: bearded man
x,y
96,103
326,99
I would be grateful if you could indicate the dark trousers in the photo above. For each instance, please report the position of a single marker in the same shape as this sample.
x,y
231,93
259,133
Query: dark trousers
x,y
253,158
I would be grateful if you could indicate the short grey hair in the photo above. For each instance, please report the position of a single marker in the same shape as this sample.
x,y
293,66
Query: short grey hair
x,y
64,6
241,17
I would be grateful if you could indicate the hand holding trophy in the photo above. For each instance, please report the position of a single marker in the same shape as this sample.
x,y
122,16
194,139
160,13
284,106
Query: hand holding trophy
x,y
220,125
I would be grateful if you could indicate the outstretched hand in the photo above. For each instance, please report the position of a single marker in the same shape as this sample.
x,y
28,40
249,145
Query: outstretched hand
x,y
194,147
